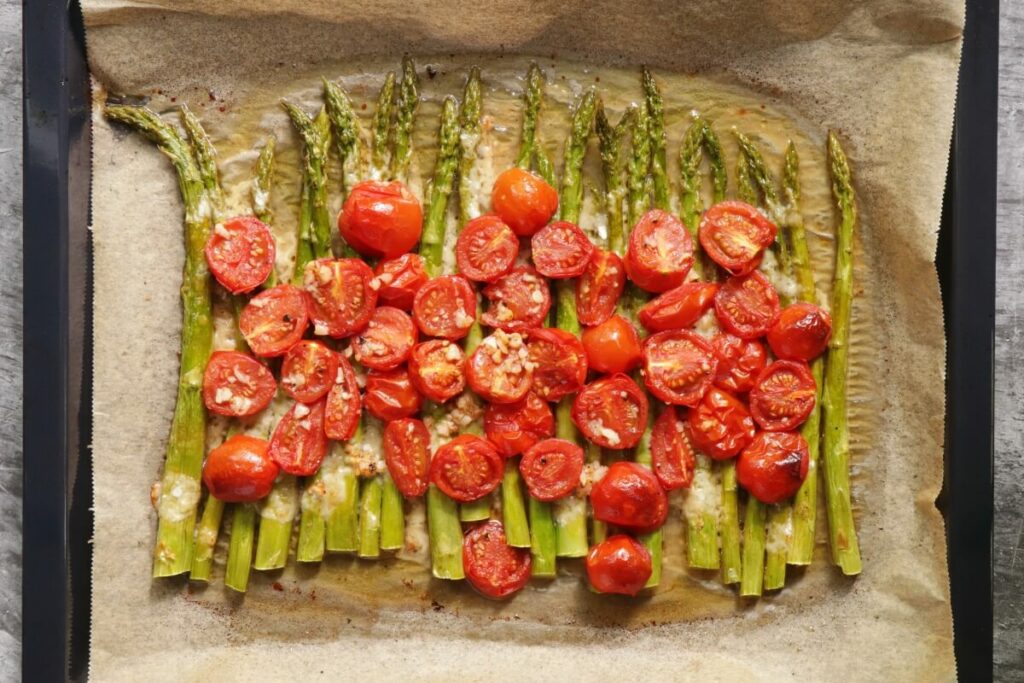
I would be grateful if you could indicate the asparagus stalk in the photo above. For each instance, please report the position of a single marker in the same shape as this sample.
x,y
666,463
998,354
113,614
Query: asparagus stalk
x,y
262,176
753,548
370,499
380,127
758,173
312,529
532,96
243,527
341,503
469,138
636,182
656,129
316,139
408,102
613,164
345,132
277,516
732,562
206,539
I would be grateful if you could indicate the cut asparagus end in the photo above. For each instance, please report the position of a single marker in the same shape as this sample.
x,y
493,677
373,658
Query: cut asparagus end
x,y
513,507
243,531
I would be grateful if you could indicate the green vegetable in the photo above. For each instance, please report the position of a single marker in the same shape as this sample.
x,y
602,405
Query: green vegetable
x,y
276,534
532,96
753,549
206,539
656,129
345,131
243,527
381,126
316,140
408,102
613,164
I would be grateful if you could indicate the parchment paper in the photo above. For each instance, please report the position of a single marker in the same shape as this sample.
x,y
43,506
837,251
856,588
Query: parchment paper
x,y
882,73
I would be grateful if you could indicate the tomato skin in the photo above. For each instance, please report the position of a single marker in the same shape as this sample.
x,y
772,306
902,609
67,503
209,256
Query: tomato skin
x,y
466,468
438,369
498,370
524,200
341,295
783,396
734,234
672,456
241,253
308,371
679,366
747,305
299,443
406,445
631,497
773,466
678,308
801,332
240,470
599,288
494,568
720,425
274,319
486,249
552,468
613,346
390,394
560,362
561,250
620,564
740,361
344,404
400,278
381,220
518,300
445,307
515,427
659,253
611,412
244,385
387,340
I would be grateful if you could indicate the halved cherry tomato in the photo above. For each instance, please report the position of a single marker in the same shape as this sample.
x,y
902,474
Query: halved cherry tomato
x,y
407,454
274,320
552,468
390,394
299,443
660,252
523,200
747,305
341,295
733,234
611,412
679,366
801,332
309,371
740,361
486,249
438,369
599,288
720,425
783,396
493,567
381,219
672,456
445,307
560,362
240,470
344,404
400,278
678,308
499,369
241,253
518,301
387,340
619,564
236,385
630,496
515,427
561,250
773,466
466,468
613,346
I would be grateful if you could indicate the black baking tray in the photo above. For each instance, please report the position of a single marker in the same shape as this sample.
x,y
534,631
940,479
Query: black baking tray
x,y
57,522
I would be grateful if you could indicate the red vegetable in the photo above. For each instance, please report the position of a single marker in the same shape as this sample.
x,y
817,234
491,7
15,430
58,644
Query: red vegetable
x,y
381,219
493,567
240,470
241,253
619,564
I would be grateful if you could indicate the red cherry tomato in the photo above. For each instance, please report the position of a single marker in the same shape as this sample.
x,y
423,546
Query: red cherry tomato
x,y
518,301
486,249
561,250
299,443
720,425
660,252
801,332
739,362
493,567
552,468
407,454
309,370
630,496
783,396
678,308
390,394
747,305
524,201
344,405
387,340
733,234
611,412
773,466
514,427
236,385
341,295
466,468
499,370
599,288
400,278
240,470
445,307
619,564
241,253
381,219
679,366
613,346
274,320
672,457
438,369
560,362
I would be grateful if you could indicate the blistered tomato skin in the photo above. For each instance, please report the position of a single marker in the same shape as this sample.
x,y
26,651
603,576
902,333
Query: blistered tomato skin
x,y
390,394
599,288
241,253
631,497
240,470
720,425
381,220
773,466
678,308
524,200
400,278
236,385
493,567
613,346
672,456
552,468
660,252
515,427
739,362
801,332
619,565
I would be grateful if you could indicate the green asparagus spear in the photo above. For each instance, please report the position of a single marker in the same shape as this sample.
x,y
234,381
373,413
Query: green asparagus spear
x,y
471,131
758,173
639,167
656,128
745,189
341,504
753,549
545,167
408,102
392,512
316,139
312,529
261,184
381,126
613,164
732,563
243,527
370,498
532,96
206,539
277,517
345,132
